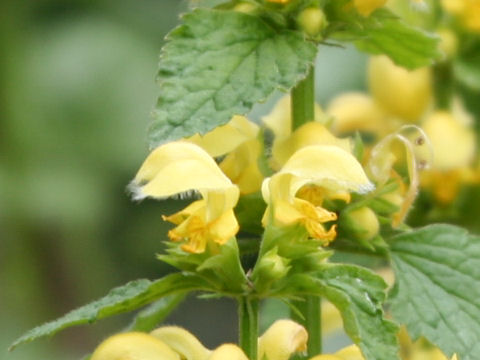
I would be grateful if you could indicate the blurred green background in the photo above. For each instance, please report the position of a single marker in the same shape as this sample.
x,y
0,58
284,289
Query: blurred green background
x,y
77,81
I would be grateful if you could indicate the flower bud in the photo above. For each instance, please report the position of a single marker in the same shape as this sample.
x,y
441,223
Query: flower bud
x,y
271,267
362,223
245,7
401,92
366,7
448,43
281,340
133,345
312,21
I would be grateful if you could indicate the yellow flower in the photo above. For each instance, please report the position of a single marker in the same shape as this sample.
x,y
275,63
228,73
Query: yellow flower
x,y
366,7
180,168
279,342
468,11
454,146
400,92
295,194
238,141
351,352
133,346
356,111
311,133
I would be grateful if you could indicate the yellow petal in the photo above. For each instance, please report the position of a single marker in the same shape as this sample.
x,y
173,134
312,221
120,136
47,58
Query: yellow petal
x,y
366,7
228,352
197,232
401,92
241,166
280,119
182,342
311,133
175,168
351,352
327,166
281,340
355,111
226,138
453,142
134,345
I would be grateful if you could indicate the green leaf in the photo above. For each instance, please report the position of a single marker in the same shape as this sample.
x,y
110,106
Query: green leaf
x,y
149,318
218,64
467,71
406,45
358,294
437,290
130,296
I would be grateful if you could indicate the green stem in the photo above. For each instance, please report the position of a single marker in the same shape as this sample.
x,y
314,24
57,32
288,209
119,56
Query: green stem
x,y
248,325
303,100
311,311
303,111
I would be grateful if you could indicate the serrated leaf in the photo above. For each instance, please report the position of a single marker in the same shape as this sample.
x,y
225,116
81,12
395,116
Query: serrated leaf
x,y
149,318
358,294
437,292
407,46
130,296
218,64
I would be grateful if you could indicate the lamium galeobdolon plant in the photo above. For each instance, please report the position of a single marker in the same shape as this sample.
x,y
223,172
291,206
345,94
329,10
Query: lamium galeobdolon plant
x,y
305,186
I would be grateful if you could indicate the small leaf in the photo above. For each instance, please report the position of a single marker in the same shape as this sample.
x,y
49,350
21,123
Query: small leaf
x,y
218,64
437,293
124,298
358,294
406,45
149,318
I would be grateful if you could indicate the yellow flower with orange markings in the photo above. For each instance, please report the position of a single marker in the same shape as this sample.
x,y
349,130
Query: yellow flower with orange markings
x,y
295,194
180,168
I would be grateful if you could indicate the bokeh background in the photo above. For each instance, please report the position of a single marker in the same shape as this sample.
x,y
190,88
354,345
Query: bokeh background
x,y
77,82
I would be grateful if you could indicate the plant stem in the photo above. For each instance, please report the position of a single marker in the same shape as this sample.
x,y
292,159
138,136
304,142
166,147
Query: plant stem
x,y
303,100
303,111
311,311
248,325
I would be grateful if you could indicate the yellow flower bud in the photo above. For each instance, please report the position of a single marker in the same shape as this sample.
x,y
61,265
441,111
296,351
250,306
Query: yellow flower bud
x,y
281,340
401,92
366,7
312,21
133,345
448,42
227,351
355,111
182,342
245,7
362,223
453,141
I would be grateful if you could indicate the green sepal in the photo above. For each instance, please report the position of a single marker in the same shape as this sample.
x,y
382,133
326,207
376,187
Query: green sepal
x,y
149,318
467,72
219,265
437,290
218,64
128,297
